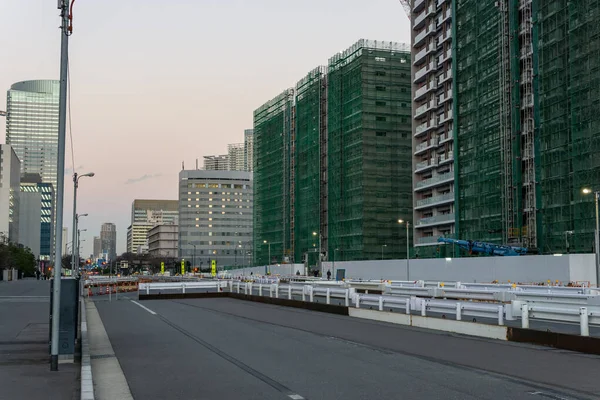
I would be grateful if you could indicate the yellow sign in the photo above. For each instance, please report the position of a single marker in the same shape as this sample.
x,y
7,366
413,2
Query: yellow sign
x,y
162,268
182,267
213,267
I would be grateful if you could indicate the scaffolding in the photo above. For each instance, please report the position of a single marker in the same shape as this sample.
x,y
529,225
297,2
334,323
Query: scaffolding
x,y
311,95
569,121
272,179
369,157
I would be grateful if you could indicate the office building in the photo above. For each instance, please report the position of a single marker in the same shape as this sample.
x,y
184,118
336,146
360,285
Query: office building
x,y
144,215
520,101
236,157
65,240
10,179
97,249
332,160
215,217
108,240
31,183
163,241
216,163
30,214
248,150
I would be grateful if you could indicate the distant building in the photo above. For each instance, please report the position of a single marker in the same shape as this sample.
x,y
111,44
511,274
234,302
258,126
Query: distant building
x,y
215,216
108,239
249,150
97,247
163,241
10,179
235,155
144,215
32,183
30,213
216,163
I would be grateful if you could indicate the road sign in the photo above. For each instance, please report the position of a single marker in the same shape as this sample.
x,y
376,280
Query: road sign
x,y
213,267
182,267
162,267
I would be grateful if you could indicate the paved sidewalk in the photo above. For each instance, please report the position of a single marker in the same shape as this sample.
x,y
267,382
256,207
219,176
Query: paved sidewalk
x,y
24,359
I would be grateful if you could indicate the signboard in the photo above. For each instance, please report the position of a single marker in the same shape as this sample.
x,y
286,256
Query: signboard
x,y
213,267
182,267
162,267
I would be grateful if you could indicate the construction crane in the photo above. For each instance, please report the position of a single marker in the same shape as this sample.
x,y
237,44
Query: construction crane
x,y
406,6
485,248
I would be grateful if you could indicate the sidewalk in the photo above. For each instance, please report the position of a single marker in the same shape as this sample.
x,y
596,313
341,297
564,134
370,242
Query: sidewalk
x,y
24,353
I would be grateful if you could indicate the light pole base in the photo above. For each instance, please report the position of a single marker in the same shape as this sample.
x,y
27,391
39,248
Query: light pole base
x,y
54,363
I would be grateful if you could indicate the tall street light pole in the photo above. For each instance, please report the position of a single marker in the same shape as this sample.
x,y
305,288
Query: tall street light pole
x,y
75,218
75,246
401,221
596,234
320,250
194,258
65,32
382,246
269,268
78,244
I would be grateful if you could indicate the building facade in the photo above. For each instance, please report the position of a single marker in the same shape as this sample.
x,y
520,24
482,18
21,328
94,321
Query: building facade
x,y
235,156
31,184
332,160
521,78
108,240
10,179
163,241
216,163
144,215
215,217
97,249
248,149
30,210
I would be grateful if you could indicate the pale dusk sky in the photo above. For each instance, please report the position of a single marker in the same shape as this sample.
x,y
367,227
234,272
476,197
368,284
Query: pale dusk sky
x,y
155,83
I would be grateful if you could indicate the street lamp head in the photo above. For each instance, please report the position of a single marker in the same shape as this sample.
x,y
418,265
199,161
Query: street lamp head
x,y
314,233
587,190
83,215
90,174
264,241
400,221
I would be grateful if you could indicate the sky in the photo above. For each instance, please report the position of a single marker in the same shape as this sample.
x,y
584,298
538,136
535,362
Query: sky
x,y
157,83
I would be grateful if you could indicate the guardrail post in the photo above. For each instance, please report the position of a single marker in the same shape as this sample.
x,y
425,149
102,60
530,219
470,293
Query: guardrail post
x,y
260,289
525,316
271,291
458,311
407,306
357,299
276,291
311,294
231,286
423,308
147,289
183,288
304,293
500,315
290,291
328,298
347,298
238,287
380,303
583,316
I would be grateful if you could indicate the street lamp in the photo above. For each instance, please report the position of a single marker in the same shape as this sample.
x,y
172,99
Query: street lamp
x,y
75,218
194,258
382,246
269,268
320,250
567,239
333,265
75,243
401,221
596,234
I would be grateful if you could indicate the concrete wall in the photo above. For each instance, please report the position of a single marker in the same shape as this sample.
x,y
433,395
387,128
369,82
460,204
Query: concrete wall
x,y
565,268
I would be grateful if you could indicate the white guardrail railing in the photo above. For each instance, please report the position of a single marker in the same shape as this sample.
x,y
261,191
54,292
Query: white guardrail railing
x,y
493,302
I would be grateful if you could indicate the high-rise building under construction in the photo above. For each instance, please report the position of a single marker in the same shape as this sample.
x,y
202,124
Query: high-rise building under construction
x,y
506,123
332,160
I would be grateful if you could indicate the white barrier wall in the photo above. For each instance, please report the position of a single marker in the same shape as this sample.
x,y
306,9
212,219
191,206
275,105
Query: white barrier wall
x,y
282,269
564,268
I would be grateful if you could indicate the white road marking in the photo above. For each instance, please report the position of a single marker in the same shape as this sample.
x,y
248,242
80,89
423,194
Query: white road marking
x,y
295,397
145,308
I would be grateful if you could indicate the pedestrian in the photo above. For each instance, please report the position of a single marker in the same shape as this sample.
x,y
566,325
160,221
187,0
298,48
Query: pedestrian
x,y
37,274
298,272
328,275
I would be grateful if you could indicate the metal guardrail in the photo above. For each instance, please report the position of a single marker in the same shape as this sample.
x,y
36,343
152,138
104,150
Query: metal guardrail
x,y
181,286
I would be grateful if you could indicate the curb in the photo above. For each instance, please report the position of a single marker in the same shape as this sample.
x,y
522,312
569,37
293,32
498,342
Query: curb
x,y
87,383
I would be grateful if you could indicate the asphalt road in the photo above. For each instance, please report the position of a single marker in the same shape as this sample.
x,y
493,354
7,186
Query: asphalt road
x,y
24,359
232,349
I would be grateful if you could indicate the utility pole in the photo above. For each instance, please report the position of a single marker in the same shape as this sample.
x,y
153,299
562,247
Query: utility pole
x,y
65,32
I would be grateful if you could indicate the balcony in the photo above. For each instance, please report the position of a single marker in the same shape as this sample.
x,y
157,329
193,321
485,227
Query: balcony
x,y
444,77
436,220
435,180
424,108
423,90
421,148
448,136
426,126
420,74
444,158
435,200
444,97
447,35
418,5
420,56
444,118
440,2
425,165
420,19
444,17
419,38
447,55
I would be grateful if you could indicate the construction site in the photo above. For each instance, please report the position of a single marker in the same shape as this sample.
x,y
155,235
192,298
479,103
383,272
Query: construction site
x,y
525,80
333,161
